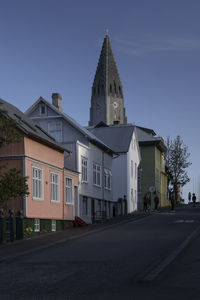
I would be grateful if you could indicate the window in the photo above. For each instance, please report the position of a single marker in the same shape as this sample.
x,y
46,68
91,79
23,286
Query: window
x,y
42,109
96,174
107,179
139,180
53,225
55,187
85,205
132,195
84,166
135,171
99,205
37,183
37,225
69,198
131,168
55,130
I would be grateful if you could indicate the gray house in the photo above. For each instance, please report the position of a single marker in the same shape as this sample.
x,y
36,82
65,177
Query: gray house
x,y
91,157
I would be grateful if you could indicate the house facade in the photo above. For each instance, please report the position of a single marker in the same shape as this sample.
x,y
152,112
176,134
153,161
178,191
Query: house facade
x,y
90,157
123,139
153,176
52,188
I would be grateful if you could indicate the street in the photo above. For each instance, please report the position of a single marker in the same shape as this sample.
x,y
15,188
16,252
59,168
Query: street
x,y
114,263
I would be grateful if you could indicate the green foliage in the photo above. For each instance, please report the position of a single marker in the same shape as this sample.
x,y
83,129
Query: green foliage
x,y
12,185
8,130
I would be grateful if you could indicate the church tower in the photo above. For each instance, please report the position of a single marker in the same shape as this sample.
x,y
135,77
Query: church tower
x,y
107,101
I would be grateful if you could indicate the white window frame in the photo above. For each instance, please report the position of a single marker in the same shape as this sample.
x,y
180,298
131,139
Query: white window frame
x,y
37,225
53,225
55,187
41,106
131,168
37,184
53,130
67,188
84,169
107,179
96,174
136,171
132,196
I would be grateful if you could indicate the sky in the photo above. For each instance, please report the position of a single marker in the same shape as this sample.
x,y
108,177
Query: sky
x,y
49,46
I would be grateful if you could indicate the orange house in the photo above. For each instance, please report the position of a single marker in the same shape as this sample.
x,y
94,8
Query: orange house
x,y
53,190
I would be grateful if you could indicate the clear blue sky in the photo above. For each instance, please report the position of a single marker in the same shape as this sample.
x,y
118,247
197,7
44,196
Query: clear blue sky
x,y
53,46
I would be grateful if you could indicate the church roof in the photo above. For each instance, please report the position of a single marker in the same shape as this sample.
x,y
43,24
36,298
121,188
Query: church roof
x,y
117,137
107,71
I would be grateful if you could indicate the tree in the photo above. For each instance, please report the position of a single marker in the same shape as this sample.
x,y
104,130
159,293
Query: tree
x,y
8,129
177,162
12,183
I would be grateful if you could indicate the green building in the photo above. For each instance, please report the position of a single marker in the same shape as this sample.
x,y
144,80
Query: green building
x,y
152,170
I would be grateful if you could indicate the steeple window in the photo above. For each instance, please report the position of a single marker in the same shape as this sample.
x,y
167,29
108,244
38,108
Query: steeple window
x,y
110,88
102,88
98,90
115,87
120,92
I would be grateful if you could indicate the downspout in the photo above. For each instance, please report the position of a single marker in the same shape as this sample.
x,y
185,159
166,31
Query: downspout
x,y
63,195
102,175
24,197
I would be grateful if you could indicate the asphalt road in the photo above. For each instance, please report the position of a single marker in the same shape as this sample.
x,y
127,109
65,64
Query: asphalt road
x,y
134,260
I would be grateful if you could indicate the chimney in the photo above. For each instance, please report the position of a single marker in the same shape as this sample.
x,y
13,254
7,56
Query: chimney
x,y
56,101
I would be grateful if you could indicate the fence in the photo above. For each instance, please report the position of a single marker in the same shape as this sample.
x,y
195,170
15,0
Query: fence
x,y
11,227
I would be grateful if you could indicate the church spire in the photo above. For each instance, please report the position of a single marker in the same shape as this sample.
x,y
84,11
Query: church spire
x,y
107,103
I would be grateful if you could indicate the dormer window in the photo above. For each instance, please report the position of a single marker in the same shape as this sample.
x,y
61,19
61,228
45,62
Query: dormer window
x,y
42,108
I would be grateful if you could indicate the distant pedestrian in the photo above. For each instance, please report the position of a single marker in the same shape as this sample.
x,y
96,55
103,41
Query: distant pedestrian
x,y
156,201
194,199
172,200
149,202
145,200
189,197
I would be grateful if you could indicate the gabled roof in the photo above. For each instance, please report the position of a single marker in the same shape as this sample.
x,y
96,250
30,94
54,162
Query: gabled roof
x,y
118,137
146,139
87,134
29,128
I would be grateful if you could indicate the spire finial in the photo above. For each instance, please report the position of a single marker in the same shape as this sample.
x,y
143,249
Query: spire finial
x,y
106,31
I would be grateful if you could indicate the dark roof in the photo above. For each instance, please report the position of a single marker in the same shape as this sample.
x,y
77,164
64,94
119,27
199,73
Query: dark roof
x,y
118,137
29,128
146,139
107,71
148,130
92,138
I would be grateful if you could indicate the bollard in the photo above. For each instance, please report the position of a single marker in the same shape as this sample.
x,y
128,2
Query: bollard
x,y
1,225
20,226
11,224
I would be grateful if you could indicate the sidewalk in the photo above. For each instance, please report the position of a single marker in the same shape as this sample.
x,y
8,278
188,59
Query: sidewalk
x,y
17,248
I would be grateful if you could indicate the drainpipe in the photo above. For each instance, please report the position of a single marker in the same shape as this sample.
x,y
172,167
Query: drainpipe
x,y
24,197
63,196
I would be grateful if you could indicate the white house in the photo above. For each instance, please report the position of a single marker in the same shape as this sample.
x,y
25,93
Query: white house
x,y
123,140
90,157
